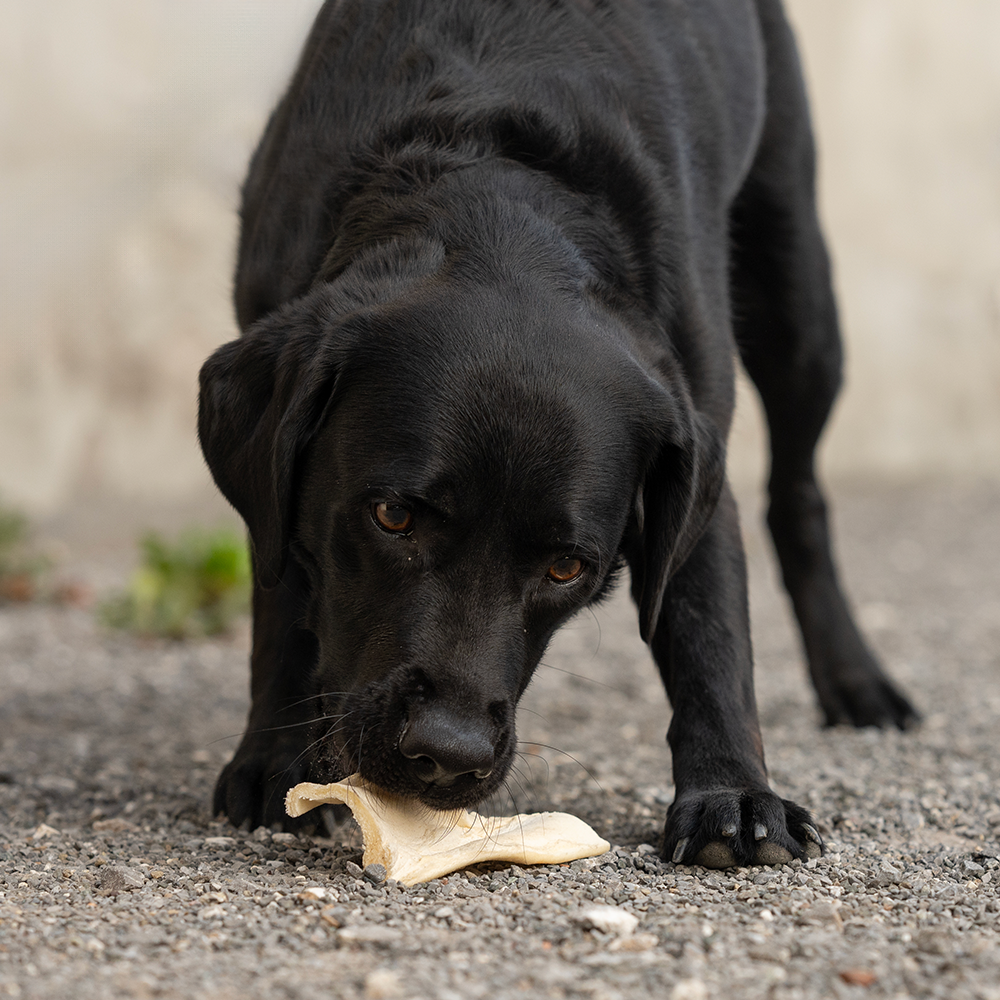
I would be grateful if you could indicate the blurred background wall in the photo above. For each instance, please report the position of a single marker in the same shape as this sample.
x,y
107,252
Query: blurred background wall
x,y
125,126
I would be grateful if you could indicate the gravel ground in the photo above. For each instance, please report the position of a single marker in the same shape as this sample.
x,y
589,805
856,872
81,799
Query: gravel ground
x,y
116,882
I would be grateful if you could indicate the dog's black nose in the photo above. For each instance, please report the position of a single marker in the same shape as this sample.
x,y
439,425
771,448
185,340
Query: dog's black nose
x,y
444,746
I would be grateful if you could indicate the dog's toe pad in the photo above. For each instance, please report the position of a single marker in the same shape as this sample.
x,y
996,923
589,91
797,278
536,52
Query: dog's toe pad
x,y
772,854
716,854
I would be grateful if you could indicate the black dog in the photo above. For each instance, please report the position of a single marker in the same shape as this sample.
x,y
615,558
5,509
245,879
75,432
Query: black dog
x,y
497,257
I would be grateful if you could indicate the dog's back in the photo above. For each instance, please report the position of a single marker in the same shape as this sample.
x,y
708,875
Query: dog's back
x,y
649,111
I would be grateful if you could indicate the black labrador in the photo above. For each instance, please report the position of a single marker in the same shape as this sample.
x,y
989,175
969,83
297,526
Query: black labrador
x,y
496,260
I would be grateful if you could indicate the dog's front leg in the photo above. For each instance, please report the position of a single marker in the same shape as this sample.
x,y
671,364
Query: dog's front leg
x,y
271,756
724,812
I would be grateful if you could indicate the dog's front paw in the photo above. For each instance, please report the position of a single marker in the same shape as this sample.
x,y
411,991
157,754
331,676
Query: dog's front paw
x,y
251,788
853,689
729,827
869,700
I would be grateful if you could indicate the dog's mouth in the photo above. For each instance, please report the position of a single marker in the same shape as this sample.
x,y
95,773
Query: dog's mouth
x,y
425,755
464,791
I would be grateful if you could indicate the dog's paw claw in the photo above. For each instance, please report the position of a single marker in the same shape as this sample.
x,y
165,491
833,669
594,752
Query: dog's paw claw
x,y
814,842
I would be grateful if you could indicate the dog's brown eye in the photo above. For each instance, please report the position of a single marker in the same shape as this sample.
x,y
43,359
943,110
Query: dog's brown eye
x,y
566,569
392,516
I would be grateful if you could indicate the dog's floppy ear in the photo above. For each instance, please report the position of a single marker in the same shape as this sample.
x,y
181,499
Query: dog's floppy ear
x,y
262,398
674,505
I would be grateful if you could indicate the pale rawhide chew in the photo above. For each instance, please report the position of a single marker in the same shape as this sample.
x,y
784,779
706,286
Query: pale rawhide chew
x,y
416,844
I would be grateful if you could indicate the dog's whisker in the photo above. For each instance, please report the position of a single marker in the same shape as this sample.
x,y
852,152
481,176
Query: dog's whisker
x,y
361,743
527,780
570,673
517,813
296,725
333,731
531,711
313,697
222,739
524,783
590,774
269,729
600,630
285,771
547,769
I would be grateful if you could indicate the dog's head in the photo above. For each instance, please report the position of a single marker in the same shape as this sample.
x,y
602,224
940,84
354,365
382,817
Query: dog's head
x,y
458,470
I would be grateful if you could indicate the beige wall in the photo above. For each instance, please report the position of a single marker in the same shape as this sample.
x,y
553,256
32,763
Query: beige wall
x,y
125,127
906,98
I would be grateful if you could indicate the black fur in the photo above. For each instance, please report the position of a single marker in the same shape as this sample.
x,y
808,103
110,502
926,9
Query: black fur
x,y
496,259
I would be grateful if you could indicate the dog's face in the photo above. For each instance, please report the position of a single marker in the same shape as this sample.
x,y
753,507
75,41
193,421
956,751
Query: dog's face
x,y
455,509
457,475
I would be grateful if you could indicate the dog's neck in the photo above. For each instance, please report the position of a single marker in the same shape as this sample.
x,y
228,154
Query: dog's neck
x,y
570,222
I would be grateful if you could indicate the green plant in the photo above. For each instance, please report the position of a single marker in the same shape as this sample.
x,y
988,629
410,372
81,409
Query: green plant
x,y
192,587
20,565
13,532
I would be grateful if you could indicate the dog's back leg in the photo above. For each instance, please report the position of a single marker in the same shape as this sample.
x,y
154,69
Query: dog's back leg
x,y
786,327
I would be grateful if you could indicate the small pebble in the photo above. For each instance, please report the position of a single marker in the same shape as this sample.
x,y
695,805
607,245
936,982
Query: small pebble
x,y
689,989
858,977
117,878
374,874
608,919
383,984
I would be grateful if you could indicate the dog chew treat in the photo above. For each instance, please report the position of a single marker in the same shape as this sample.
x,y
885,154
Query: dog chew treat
x,y
416,844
